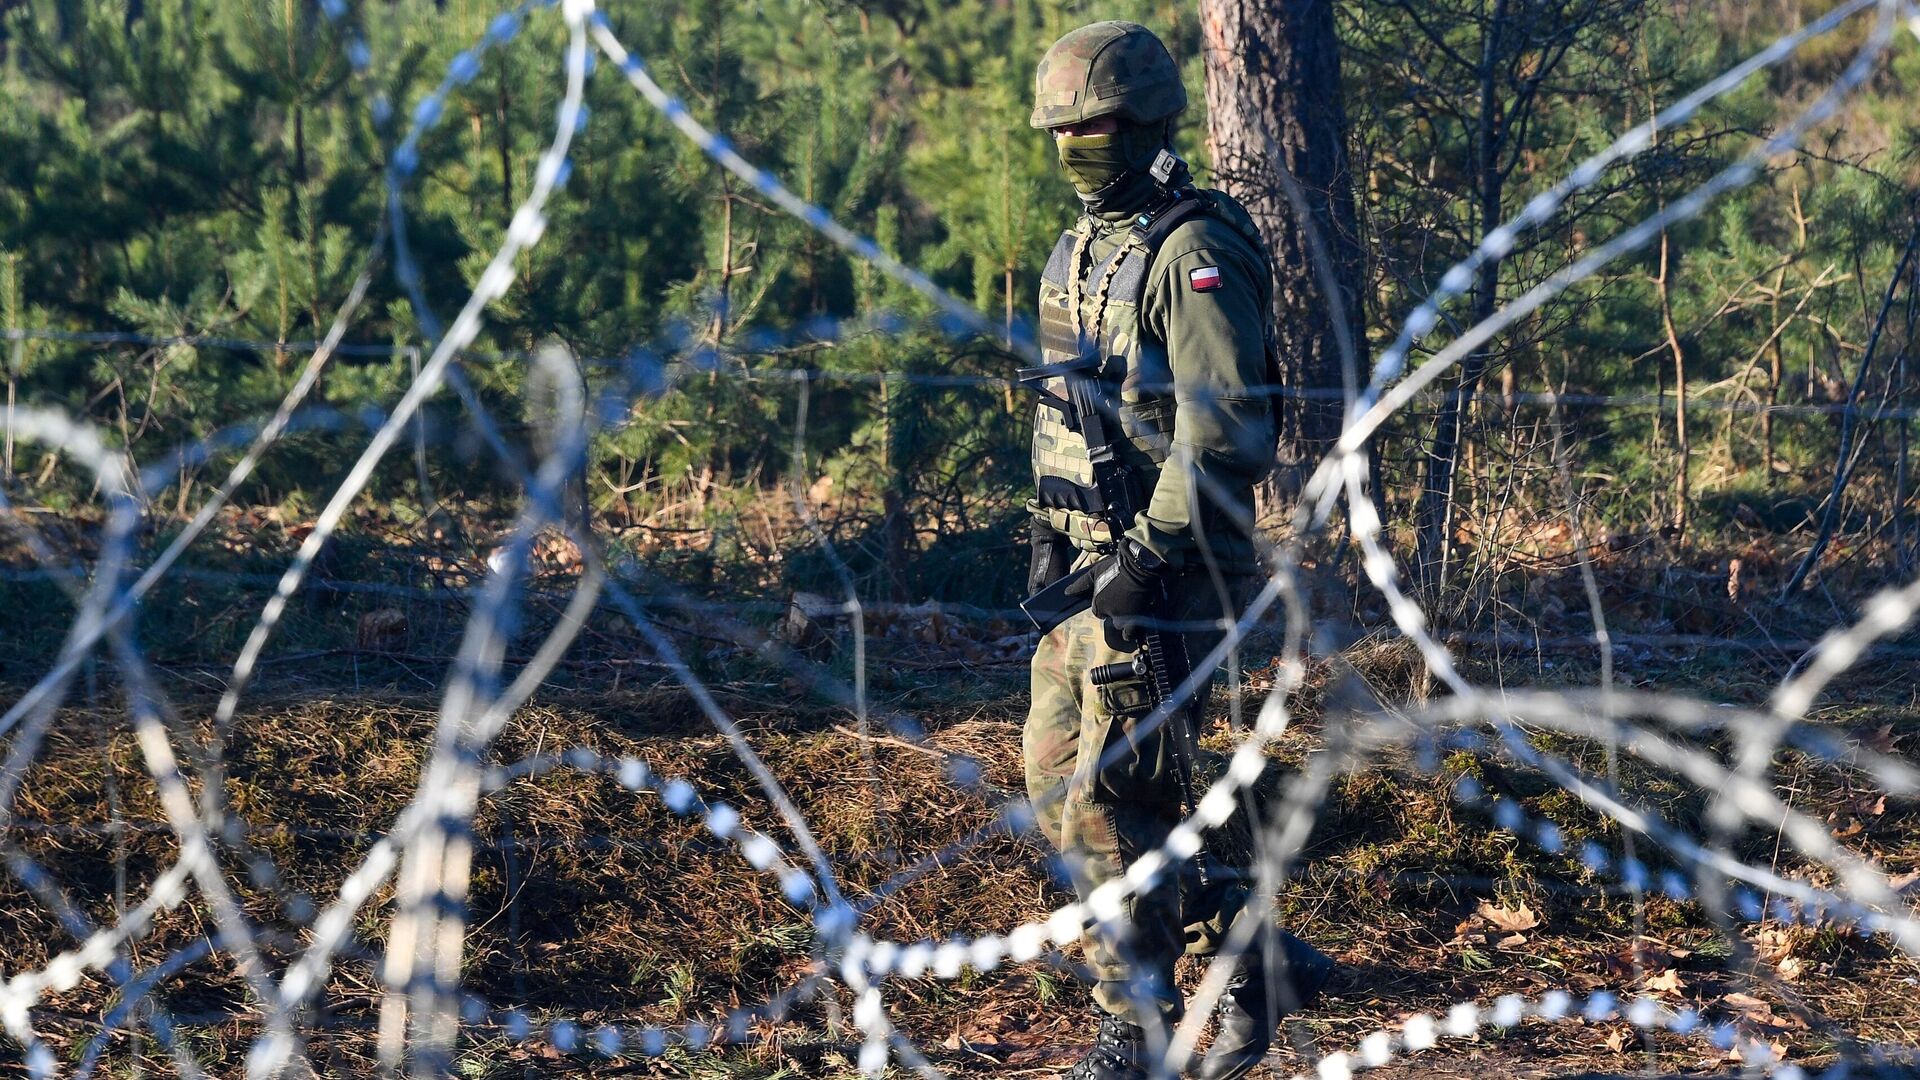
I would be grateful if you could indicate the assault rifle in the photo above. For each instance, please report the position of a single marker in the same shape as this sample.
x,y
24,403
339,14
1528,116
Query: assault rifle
x,y
1161,659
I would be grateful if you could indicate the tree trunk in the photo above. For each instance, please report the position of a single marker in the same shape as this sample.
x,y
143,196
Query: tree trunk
x,y
1844,460
1777,369
1274,108
17,359
1677,518
1434,519
1902,485
6,462
505,149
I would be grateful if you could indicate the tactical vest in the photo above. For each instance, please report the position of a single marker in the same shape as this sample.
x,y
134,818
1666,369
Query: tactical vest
x,y
1089,305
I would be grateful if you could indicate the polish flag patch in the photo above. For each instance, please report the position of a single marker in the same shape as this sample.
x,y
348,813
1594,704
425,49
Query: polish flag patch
x,y
1205,279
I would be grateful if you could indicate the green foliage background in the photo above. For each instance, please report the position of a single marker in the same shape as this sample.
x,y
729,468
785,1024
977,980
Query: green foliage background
x,y
186,168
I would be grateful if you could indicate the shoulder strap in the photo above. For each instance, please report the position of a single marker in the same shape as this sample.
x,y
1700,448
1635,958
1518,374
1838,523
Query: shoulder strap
x,y
1060,260
1131,265
1154,227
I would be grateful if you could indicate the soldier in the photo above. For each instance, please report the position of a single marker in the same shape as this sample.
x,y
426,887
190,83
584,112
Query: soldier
x,y
1168,286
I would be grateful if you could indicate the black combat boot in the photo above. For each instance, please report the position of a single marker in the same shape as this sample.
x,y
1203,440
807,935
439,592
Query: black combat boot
x,y
1246,1016
1119,1052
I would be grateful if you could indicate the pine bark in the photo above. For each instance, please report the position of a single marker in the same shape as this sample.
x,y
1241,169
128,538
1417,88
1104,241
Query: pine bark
x,y
1274,104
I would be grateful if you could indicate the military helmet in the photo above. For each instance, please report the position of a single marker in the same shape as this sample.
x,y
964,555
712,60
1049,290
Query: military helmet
x,y
1107,69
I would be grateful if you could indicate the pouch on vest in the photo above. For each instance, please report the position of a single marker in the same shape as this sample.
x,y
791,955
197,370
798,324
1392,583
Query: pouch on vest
x,y
1135,766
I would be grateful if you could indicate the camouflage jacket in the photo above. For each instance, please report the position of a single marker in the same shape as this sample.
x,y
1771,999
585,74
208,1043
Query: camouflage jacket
x,y
1185,338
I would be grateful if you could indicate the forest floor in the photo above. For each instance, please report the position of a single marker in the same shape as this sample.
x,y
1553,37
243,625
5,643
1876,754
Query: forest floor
x,y
598,906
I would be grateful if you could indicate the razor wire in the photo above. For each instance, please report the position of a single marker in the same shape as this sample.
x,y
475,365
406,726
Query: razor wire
x,y
430,837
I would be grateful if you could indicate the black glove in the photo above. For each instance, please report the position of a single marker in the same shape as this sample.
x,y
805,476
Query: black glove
x,y
1128,587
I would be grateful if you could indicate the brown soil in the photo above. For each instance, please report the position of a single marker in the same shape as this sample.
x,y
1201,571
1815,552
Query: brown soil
x,y
594,904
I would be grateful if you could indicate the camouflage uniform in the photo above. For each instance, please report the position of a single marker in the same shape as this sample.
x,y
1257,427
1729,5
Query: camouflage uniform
x,y
1184,336
1102,818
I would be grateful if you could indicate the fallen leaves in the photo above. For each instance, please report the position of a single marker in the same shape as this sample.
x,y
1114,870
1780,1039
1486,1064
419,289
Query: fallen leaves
x,y
1641,957
1777,1048
1665,982
1751,1010
1784,947
1775,943
1778,945
1509,921
1512,920
995,1035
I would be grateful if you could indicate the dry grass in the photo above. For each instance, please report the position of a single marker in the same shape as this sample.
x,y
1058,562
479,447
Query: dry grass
x,y
598,905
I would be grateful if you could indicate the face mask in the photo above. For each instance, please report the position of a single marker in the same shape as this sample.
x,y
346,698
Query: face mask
x,y
1112,171
1093,162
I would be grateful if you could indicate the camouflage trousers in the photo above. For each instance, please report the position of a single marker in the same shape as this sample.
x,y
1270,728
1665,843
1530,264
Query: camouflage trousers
x,y
1105,794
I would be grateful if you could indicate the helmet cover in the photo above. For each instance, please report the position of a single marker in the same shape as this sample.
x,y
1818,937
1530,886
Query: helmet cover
x,y
1118,69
